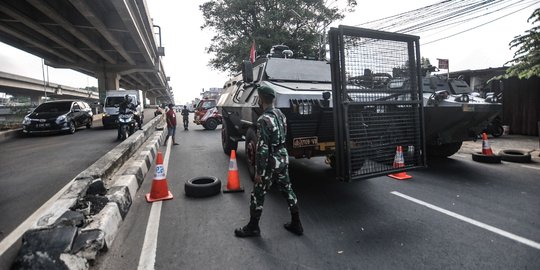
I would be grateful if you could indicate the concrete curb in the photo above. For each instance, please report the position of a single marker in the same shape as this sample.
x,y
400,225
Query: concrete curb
x,y
122,170
9,134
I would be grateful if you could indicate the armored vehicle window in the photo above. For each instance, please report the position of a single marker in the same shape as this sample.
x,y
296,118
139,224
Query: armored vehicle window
x,y
281,69
257,71
247,94
440,83
238,93
460,87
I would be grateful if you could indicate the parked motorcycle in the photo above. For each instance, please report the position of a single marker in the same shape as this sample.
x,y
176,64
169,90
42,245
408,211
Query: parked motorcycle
x,y
126,125
494,127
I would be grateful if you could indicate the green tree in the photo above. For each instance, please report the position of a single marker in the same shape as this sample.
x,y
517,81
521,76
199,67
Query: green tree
x,y
526,62
298,24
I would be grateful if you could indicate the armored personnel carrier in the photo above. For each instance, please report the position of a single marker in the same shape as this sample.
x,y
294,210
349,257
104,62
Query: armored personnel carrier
x,y
303,89
304,94
453,113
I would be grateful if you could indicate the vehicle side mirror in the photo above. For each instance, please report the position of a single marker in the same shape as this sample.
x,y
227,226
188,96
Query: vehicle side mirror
x,y
247,71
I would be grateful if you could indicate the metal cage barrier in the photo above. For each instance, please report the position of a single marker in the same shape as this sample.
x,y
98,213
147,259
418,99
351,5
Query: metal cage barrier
x,y
377,100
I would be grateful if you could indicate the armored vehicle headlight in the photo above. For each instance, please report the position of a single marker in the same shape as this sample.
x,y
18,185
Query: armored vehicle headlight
x,y
463,98
304,108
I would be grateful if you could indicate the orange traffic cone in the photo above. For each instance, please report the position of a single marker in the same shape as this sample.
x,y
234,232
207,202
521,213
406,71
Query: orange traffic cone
x,y
233,182
160,190
399,163
486,149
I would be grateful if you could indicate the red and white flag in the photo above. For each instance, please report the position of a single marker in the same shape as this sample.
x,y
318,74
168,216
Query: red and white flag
x,y
252,52
443,63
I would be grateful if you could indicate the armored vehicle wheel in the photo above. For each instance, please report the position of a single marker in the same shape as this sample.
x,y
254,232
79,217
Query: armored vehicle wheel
x,y
226,142
211,124
443,150
251,150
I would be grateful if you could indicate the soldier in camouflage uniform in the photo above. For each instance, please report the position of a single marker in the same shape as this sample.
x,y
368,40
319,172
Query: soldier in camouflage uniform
x,y
271,166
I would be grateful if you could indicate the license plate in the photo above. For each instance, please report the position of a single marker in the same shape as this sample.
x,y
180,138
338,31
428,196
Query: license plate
x,y
468,108
305,142
43,125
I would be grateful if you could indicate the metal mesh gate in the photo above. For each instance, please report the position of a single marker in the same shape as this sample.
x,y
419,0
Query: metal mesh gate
x,y
377,101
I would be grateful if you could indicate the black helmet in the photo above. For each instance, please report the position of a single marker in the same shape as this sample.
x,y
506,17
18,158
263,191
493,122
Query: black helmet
x,y
127,98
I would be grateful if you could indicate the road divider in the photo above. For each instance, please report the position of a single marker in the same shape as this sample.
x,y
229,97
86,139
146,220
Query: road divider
x,y
92,205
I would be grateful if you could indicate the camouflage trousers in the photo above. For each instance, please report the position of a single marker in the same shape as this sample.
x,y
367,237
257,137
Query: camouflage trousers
x,y
281,178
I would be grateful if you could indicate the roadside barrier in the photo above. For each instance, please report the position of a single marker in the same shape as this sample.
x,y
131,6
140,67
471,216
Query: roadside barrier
x,y
399,162
233,181
85,217
160,190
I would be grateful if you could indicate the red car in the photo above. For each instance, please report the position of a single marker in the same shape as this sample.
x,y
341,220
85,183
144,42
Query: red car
x,y
207,115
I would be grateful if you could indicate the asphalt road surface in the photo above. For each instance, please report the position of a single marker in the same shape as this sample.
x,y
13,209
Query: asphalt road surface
x,y
456,214
33,169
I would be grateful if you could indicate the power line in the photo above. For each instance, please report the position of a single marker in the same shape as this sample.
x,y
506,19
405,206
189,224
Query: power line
x,y
446,14
472,28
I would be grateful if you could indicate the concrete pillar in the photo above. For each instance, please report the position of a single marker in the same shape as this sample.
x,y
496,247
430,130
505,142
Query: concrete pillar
x,y
150,97
35,99
107,81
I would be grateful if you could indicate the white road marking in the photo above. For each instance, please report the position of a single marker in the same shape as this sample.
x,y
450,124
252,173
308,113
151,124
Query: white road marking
x,y
460,155
530,167
147,260
490,228
30,221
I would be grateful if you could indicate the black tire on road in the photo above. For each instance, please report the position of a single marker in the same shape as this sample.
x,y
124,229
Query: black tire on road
x,y
251,150
203,186
72,127
443,150
89,123
515,156
211,124
479,157
124,133
226,142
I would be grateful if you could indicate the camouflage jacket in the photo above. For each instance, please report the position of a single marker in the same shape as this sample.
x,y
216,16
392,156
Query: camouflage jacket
x,y
271,133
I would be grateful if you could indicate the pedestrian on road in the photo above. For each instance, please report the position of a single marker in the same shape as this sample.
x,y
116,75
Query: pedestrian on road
x,y
185,117
271,166
170,116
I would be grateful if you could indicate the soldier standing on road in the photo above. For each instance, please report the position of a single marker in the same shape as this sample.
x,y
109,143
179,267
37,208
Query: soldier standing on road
x,y
271,166
185,117
170,116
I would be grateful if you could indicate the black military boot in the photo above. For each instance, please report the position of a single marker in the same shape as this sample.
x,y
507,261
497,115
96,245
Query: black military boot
x,y
295,226
252,228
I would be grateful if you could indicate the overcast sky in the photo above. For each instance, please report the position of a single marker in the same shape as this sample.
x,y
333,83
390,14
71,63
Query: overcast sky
x,y
186,61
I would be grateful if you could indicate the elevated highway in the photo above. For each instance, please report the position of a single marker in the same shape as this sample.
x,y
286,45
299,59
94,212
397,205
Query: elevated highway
x,y
113,41
19,85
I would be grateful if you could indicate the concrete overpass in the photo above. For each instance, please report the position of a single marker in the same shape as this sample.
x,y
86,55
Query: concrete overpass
x,y
18,85
112,40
